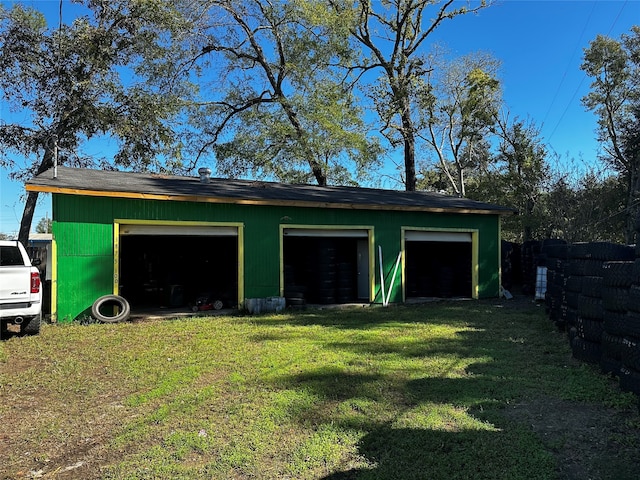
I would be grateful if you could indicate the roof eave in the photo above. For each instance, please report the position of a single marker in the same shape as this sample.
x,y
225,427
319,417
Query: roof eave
x,y
263,202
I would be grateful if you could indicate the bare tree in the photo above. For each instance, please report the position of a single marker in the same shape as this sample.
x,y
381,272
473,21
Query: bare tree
x,y
394,34
459,111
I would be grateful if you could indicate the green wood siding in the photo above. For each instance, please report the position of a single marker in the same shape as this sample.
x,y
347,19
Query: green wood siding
x,y
84,226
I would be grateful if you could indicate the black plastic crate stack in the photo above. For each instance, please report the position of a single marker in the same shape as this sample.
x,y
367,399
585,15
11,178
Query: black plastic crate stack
x,y
557,260
585,288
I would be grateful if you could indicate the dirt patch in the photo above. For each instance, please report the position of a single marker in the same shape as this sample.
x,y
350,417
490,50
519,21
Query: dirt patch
x,y
589,441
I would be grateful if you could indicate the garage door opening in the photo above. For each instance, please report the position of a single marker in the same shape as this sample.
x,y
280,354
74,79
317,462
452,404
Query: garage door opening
x,y
438,266
178,271
326,269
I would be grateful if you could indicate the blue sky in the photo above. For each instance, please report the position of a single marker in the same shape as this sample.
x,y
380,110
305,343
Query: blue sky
x,y
540,44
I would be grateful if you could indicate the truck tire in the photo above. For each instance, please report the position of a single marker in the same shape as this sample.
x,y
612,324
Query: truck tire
x,y
32,325
111,300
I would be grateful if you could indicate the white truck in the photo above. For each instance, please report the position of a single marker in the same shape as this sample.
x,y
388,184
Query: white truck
x,y
20,289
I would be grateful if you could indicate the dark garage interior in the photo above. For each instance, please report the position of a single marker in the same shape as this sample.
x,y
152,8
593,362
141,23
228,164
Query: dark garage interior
x,y
438,269
320,270
175,271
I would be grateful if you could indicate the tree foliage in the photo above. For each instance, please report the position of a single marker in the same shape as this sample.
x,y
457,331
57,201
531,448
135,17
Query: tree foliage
x,y
459,110
517,175
614,66
392,35
44,225
271,101
70,84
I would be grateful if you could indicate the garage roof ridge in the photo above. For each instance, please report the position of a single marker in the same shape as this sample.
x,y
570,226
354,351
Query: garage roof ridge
x,y
90,182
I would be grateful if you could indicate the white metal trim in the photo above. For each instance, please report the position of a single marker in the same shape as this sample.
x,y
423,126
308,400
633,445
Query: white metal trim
x,y
178,230
435,236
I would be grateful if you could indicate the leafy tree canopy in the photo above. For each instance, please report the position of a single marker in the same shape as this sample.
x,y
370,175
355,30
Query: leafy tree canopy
x,y
68,84
271,101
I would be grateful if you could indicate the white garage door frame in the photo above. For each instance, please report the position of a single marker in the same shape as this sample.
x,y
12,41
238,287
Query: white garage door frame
x,y
124,227
428,234
364,232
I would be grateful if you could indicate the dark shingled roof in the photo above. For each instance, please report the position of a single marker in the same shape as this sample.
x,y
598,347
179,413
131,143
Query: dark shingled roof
x,y
145,185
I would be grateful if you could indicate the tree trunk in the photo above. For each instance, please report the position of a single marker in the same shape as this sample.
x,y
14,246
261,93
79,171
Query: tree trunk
x,y
27,217
32,199
409,150
318,173
410,163
461,192
527,231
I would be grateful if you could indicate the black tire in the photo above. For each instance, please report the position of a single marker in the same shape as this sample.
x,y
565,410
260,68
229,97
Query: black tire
x,y
577,267
634,298
610,251
613,346
593,267
615,322
635,274
590,307
556,250
631,326
571,316
296,302
610,365
578,250
31,326
589,352
572,299
592,286
589,329
615,299
574,283
295,291
631,353
113,301
618,273
630,380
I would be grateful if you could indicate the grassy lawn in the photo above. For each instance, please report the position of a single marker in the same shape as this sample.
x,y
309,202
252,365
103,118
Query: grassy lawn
x,y
449,390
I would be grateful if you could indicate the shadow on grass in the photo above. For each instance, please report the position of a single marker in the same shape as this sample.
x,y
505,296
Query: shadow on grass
x,y
477,442
363,318
408,454
505,357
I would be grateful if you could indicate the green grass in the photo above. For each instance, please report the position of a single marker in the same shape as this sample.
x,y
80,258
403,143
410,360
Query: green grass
x,y
375,393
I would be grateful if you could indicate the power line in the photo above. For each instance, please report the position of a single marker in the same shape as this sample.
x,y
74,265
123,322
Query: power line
x,y
566,109
566,70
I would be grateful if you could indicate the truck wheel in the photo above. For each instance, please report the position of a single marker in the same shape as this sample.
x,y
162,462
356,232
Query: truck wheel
x,y
32,326
111,309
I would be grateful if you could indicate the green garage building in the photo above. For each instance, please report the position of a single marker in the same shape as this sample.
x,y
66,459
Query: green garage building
x,y
167,241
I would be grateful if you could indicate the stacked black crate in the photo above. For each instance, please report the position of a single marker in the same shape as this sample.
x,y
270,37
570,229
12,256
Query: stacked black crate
x,y
557,274
617,280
